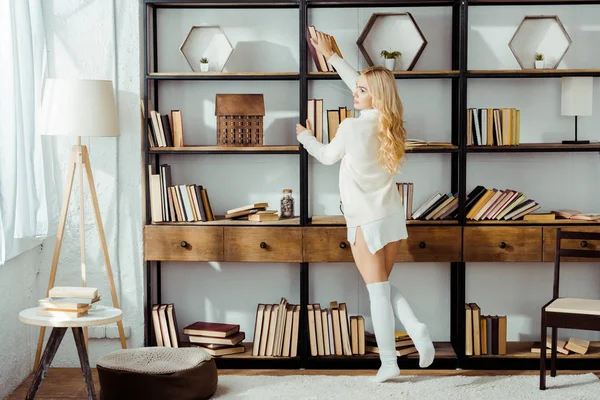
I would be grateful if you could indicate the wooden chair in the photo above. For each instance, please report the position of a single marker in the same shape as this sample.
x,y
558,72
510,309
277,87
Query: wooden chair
x,y
568,313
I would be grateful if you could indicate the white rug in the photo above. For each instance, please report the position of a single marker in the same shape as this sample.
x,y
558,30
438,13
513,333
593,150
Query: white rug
x,y
563,387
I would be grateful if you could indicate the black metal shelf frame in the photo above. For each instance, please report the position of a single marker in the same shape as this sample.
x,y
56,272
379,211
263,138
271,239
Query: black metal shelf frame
x,y
458,168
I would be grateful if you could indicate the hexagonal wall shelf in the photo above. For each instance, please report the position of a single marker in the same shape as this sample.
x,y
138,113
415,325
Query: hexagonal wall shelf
x,y
392,32
540,34
206,41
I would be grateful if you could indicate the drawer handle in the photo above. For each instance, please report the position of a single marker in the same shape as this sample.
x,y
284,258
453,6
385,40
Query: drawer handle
x,y
583,243
422,245
343,245
263,245
502,245
183,243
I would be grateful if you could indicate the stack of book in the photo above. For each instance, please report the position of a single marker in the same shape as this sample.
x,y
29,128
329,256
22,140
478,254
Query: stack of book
x,y
332,332
164,321
404,344
68,301
253,212
437,207
276,329
176,203
484,334
216,338
493,126
497,204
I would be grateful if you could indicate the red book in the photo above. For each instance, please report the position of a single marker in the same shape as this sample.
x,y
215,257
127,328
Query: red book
x,y
213,329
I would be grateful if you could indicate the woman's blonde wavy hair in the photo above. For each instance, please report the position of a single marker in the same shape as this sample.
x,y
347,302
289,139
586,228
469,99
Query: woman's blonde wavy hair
x,y
391,133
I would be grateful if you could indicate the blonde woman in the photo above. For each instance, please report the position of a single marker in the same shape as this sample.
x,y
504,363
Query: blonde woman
x,y
371,148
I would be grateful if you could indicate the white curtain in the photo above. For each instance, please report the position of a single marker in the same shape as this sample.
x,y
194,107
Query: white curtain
x,y
28,206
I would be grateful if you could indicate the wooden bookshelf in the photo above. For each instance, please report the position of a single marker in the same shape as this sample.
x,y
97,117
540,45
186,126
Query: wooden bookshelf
x,y
535,147
531,73
522,349
537,222
340,220
398,74
442,350
245,354
242,76
226,150
221,220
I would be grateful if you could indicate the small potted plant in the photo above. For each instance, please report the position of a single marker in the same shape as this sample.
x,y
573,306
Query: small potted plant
x,y
539,61
390,58
204,64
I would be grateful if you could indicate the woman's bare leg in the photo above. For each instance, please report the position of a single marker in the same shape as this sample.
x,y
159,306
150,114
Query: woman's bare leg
x,y
372,269
417,331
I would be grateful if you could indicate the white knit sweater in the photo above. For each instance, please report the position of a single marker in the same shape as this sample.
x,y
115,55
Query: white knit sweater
x,y
367,190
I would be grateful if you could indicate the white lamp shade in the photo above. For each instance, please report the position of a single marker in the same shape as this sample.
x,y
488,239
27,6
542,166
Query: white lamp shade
x,y
577,94
77,107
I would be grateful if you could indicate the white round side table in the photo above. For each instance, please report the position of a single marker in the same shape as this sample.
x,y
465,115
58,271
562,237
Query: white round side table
x,y
99,315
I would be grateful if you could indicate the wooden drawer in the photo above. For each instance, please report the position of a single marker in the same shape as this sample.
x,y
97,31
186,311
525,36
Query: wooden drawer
x,y
258,244
423,244
550,242
326,245
500,243
431,244
183,243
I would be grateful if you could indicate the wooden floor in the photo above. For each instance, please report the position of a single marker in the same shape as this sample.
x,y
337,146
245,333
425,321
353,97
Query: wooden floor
x,y
67,383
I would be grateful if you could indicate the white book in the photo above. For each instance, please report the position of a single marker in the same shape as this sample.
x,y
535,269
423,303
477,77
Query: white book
x,y
74,291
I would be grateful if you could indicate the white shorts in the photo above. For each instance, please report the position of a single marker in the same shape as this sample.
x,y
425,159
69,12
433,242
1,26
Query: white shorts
x,y
381,232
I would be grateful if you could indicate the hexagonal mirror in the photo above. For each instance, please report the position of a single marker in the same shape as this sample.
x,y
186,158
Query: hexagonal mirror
x,y
208,42
540,34
392,32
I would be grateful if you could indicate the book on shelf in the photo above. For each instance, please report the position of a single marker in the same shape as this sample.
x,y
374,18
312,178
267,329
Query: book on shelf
x,y
177,203
496,204
164,130
576,215
217,339
319,59
484,334
276,330
577,345
213,329
315,116
493,126
439,206
411,143
335,118
331,331
164,322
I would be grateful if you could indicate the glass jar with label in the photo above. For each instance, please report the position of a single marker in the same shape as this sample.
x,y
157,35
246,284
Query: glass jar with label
x,y
287,204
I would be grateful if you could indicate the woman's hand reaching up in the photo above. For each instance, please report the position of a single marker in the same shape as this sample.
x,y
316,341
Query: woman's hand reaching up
x,y
300,128
323,44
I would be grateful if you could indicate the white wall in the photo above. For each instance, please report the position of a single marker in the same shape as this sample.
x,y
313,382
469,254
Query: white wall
x,y
82,44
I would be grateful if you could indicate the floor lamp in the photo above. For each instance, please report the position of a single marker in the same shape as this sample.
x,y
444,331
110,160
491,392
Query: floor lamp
x,y
576,100
80,108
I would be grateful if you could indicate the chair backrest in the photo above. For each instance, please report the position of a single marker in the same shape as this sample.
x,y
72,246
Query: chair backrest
x,y
581,252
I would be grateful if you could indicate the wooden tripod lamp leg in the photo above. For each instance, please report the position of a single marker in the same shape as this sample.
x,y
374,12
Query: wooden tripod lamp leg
x,y
82,231
59,236
111,282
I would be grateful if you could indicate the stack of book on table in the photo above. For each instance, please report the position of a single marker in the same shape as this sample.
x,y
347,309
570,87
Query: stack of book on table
x,y
216,338
404,344
68,301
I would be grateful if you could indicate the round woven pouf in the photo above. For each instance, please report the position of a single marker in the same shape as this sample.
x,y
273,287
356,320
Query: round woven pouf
x,y
157,373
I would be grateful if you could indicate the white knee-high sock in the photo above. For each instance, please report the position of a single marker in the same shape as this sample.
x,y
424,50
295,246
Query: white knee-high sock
x,y
382,315
417,331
